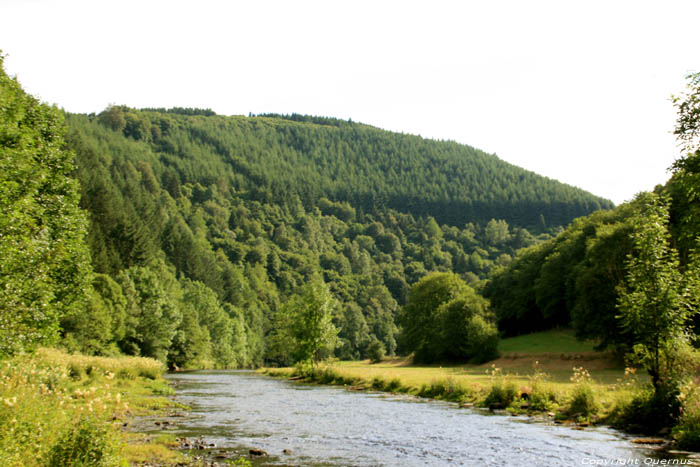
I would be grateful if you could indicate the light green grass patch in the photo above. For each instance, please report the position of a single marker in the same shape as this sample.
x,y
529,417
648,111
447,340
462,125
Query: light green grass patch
x,y
559,341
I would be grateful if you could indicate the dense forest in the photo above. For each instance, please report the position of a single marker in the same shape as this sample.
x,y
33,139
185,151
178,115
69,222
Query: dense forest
x,y
197,231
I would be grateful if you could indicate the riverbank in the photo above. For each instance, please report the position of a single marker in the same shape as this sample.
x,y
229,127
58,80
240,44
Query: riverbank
x,y
605,395
549,373
60,409
578,397
515,384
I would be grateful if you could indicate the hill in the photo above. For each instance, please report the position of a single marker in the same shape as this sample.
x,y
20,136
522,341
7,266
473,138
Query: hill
x,y
279,158
236,213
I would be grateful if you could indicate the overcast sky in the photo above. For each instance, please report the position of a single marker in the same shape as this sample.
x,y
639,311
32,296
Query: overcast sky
x,y
576,91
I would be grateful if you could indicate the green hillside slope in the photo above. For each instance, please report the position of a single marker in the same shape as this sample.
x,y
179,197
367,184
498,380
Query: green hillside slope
x,y
281,157
211,223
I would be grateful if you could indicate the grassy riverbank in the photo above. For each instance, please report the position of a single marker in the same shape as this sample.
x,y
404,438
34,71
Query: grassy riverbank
x,y
547,373
58,409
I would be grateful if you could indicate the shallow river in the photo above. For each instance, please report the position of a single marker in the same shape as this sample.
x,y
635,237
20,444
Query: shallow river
x,y
319,425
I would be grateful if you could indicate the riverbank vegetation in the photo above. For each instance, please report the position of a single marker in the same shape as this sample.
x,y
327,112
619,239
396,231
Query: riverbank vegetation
x,y
533,376
58,409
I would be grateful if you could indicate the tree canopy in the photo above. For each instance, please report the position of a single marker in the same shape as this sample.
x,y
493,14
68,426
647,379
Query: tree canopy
x,y
45,267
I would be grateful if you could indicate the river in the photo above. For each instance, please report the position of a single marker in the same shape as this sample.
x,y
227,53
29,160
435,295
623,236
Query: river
x,y
320,425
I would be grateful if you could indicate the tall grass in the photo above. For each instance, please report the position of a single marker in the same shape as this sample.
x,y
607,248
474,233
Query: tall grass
x,y
61,409
583,402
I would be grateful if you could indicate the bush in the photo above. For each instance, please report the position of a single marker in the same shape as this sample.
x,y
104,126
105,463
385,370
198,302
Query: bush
x,y
541,396
647,412
446,320
87,444
393,385
482,340
501,395
376,351
687,432
583,401
378,383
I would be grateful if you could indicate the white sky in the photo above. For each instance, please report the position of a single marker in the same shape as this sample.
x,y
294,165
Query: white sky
x,y
574,90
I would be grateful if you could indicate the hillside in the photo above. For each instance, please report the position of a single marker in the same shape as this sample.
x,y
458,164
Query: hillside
x,y
278,158
234,214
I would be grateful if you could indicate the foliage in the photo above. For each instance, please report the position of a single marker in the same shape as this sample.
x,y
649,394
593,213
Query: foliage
x,y
85,444
502,392
249,209
583,402
444,319
153,313
281,157
647,412
376,351
45,262
306,319
687,128
59,409
687,431
657,300
165,189
684,185
567,281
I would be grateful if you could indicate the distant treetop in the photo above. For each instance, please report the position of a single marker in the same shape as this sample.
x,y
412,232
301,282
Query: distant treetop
x,y
182,111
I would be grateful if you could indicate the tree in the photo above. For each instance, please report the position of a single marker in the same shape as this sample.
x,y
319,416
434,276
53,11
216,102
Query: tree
x,y
468,329
421,330
113,117
45,262
445,319
657,300
306,318
684,185
688,122
153,310
496,232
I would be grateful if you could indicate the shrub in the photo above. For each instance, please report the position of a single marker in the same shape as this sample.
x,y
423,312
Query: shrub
x,y
376,351
501,395
583,401
393,385
87,444
647,412
687,432
378,383
541,395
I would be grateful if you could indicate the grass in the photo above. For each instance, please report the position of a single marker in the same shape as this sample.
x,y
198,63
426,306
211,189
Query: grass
x,y
555,341
58,409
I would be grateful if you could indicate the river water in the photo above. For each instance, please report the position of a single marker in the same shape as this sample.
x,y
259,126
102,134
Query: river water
x,y
319,425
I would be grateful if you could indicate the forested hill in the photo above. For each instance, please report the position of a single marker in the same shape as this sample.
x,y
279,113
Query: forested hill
x,y
279,158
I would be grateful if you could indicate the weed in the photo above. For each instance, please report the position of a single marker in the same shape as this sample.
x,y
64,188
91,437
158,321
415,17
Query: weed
x,y
583,401
687,432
